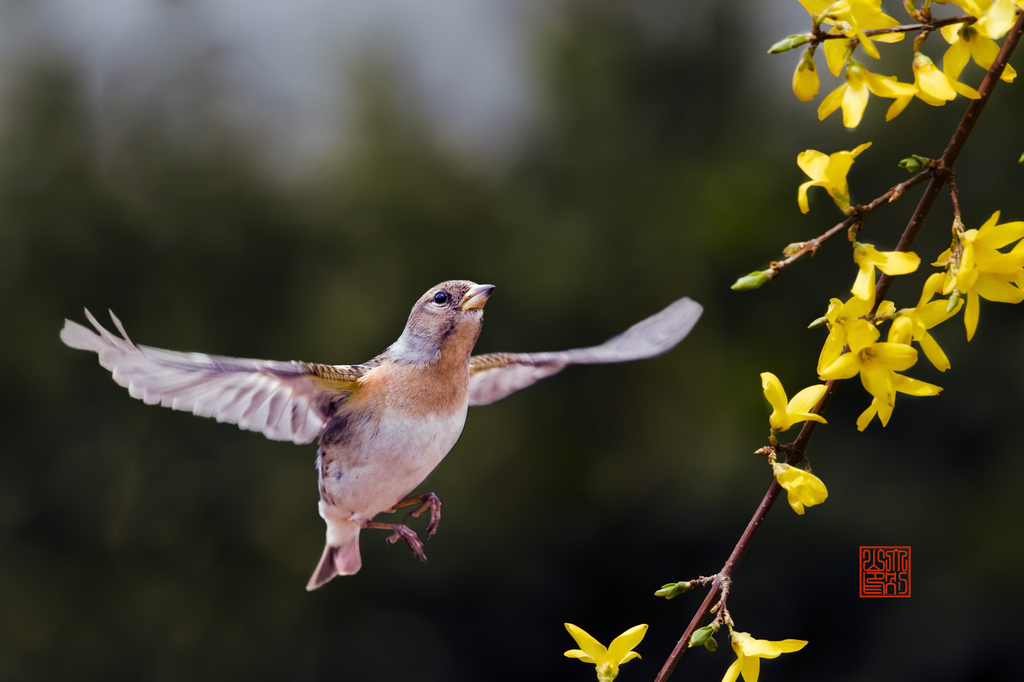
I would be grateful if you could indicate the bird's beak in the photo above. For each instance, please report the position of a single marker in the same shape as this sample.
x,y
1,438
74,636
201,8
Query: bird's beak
x,y
476,296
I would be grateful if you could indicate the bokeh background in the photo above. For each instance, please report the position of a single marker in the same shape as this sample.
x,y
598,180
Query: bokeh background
x,y
283,180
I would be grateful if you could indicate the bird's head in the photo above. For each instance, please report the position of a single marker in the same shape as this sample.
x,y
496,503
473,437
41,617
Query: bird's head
x,y
445,321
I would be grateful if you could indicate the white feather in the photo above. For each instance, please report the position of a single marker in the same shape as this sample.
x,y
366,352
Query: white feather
x,y
278,399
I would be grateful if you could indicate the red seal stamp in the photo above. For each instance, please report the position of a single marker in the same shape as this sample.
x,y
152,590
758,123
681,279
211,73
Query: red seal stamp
x,y
885,571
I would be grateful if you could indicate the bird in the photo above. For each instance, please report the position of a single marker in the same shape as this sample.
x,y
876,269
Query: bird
x,y
382,425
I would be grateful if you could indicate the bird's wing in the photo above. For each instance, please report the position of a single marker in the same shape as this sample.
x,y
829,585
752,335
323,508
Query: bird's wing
x,y
497,375
283,400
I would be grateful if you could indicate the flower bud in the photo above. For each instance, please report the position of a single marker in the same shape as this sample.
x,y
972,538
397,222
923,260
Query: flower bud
x,y
702,635
752,281
672,590
915,163
789,42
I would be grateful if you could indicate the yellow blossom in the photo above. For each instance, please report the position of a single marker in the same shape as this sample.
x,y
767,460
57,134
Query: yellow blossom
x,y
785,414
805,78
926,315
606,661
977,40
901,384
853,94
852,18
901,332
868,258
984,271
828,172
803,488
875,362
750,651
931,86
846,325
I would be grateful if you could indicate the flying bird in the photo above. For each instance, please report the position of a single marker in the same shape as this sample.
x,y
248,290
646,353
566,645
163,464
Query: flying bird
x,y
383,425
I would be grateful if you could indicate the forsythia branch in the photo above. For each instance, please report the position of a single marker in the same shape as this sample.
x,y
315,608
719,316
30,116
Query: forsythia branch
x,y
938,176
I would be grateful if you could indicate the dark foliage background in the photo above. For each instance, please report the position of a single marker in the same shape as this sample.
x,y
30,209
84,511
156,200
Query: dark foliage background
x,y
138,543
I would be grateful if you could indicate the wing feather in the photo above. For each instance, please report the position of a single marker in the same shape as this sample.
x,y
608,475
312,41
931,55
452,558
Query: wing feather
x,y
495,376
283,400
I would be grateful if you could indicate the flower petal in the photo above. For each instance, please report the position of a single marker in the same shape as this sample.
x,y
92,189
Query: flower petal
x,y
877,381
898,262
593,649
805,400
773,391
733,672
860,334
577,653
845,367
855,101
831,102
934,352
622,644
971,314
915,387
893,356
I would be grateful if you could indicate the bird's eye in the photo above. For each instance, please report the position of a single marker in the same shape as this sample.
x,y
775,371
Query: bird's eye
x,y
441,298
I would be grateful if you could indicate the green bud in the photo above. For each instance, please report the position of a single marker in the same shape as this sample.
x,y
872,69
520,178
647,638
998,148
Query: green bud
x,y
953,301
702,635
711,644
793,248
789,42
1021,159
672,590
820,322
752,281
916,163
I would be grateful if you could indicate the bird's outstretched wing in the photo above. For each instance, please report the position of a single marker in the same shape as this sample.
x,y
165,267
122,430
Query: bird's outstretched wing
x,y
283,400
497,375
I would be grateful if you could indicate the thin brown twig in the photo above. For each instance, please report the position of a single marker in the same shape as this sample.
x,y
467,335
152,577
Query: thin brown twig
x,y
820,36
860,212
798,446
954,196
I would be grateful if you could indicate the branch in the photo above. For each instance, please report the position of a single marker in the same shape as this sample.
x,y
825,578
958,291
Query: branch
x,y
860,212
798,447
820,36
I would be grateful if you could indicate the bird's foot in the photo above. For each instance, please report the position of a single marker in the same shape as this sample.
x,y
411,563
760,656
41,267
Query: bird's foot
x,y
403,533
427,502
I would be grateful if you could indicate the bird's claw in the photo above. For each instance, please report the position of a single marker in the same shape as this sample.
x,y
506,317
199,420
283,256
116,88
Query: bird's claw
x,y
427,502
403,533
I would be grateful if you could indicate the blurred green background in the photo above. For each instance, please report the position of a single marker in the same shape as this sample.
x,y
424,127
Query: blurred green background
x,y
656,159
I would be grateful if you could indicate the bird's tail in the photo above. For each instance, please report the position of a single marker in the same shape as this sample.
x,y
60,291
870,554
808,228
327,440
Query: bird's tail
x,y
341,553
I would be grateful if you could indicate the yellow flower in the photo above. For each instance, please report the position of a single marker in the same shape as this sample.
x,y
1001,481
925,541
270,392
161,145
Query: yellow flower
x,y
803,488
606,661
875,362
750,651
828,172
852,17
846,326
900,332
984,271
805,78
797,410
853,94
867,258
901,384
932,86
926,315
977,40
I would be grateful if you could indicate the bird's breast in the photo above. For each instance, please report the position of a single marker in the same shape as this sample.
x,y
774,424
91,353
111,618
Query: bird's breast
x,y
389,436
